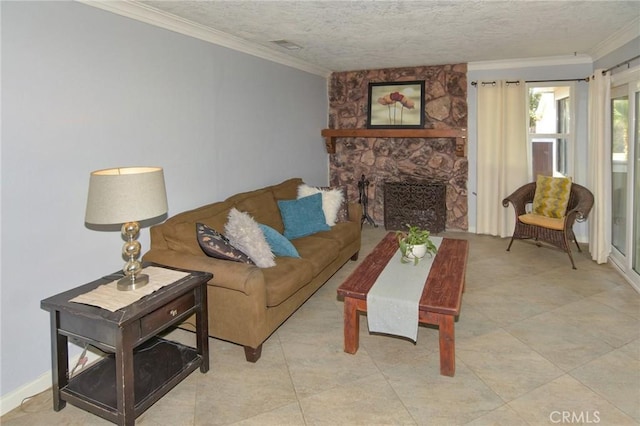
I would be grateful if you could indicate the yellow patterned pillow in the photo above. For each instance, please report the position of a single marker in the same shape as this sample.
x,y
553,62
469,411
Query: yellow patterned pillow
x,y
552,196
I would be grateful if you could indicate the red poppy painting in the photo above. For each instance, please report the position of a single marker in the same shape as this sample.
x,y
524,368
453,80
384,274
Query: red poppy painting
x,y
396,105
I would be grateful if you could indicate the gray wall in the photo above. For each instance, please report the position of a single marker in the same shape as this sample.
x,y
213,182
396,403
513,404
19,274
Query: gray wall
x,y
85,89
622,54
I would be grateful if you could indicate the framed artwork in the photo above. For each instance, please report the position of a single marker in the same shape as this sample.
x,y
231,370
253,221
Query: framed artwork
x,y
396,105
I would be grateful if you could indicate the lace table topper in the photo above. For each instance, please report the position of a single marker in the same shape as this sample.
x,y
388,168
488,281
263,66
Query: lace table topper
x,y
392,302
108,296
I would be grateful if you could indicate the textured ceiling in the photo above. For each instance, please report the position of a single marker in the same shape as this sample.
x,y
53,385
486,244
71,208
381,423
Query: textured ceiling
x,y
352,35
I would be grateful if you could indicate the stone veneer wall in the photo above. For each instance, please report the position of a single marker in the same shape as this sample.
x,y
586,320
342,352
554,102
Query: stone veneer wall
x,y
397,159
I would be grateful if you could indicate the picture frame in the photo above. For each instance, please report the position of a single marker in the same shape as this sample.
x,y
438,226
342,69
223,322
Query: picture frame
x,y
396,105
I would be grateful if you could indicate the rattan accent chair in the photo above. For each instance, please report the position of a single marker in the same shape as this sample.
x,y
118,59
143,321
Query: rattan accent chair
x,y
558,232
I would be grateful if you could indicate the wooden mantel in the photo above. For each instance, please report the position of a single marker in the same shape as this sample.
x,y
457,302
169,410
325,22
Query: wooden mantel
x,y
459,134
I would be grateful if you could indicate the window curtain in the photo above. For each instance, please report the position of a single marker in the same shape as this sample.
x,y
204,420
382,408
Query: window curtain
x,y
599,165
502,153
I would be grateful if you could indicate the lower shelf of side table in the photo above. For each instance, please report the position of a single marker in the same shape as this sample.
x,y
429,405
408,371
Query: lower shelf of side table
x,y
159,365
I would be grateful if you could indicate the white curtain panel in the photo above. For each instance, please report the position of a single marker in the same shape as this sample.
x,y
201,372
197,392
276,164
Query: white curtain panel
x,y
502,153
599,165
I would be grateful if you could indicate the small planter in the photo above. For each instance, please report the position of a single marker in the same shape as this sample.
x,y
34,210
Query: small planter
x,y
415,244
416,252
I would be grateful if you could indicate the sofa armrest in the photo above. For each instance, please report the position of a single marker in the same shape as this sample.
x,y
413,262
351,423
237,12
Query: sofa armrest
x,y
355,212
237,276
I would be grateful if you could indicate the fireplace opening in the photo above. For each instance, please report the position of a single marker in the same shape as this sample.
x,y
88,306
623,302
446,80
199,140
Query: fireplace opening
x,y
419,203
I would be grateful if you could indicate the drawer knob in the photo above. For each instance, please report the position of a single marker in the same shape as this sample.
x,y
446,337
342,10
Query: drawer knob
x,y
173,312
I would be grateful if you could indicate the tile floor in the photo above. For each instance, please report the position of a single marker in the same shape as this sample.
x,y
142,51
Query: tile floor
x,y
536,343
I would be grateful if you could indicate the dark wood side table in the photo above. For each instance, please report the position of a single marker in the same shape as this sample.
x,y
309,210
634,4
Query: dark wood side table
x,y
141,367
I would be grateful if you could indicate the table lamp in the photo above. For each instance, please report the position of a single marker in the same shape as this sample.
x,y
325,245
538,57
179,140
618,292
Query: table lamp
x,y
126,196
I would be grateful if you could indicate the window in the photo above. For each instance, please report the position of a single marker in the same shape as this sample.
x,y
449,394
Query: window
x,y
562,111
550,129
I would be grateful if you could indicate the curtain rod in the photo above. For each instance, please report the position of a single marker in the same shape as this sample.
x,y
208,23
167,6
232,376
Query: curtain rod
x,y
475,83
627,62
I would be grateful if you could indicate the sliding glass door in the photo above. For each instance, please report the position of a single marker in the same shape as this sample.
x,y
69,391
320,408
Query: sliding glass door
x,y
635,243
619,168
625,178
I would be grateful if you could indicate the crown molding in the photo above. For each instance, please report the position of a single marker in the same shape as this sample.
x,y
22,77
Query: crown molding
x,y
529,62
143,13
618,39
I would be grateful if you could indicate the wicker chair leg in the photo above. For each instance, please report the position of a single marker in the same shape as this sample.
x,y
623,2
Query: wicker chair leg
x,y
578,245
573,265
565,246
511,242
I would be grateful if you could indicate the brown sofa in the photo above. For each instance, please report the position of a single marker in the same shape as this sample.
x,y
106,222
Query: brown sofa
x,y
246,303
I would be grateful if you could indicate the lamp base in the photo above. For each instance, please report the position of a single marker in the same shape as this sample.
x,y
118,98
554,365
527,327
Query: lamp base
x,y
133,282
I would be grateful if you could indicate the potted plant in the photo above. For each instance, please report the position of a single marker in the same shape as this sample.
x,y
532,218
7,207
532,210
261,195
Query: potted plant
x,y
415,244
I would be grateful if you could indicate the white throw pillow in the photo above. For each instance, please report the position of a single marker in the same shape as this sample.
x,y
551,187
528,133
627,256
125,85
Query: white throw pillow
x,y
331,200
244,233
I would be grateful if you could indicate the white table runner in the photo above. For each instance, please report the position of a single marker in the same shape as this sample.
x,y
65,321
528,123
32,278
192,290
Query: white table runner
x,y
108,296
392,302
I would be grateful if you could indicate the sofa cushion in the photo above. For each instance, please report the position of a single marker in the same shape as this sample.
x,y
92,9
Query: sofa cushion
x,y
343,233
245,234
263,208
287,190
319,252
303,216
551,196
288,276
280,246
180,230
181,237
333,201
543,221
216,221
214,244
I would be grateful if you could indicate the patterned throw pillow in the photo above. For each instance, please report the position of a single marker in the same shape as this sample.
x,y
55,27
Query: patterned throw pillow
x,y
552,196
214,244
343,211
245,234
303,216
334,202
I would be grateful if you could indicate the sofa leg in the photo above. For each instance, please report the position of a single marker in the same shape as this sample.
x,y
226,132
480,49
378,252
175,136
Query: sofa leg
x,y
355,256
252,354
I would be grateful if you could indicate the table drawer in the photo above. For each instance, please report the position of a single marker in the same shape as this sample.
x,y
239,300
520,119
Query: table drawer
x,y
169,312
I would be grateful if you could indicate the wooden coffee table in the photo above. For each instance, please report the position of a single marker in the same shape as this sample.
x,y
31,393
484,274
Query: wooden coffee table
x,y
439,304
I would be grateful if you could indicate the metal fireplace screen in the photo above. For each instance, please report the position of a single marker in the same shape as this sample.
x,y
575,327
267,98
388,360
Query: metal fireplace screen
x,y
420,204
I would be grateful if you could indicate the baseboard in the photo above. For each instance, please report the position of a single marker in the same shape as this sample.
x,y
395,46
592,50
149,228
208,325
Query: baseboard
x,y
13,399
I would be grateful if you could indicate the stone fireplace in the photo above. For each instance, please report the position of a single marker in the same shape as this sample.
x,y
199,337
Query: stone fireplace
x,y
398,159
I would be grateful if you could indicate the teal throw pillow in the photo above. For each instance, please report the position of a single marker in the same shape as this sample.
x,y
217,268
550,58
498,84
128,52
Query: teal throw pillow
x,y
303,216
280,246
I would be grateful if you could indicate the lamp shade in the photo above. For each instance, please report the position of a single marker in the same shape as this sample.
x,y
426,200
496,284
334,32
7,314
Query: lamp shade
x,y
125,194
